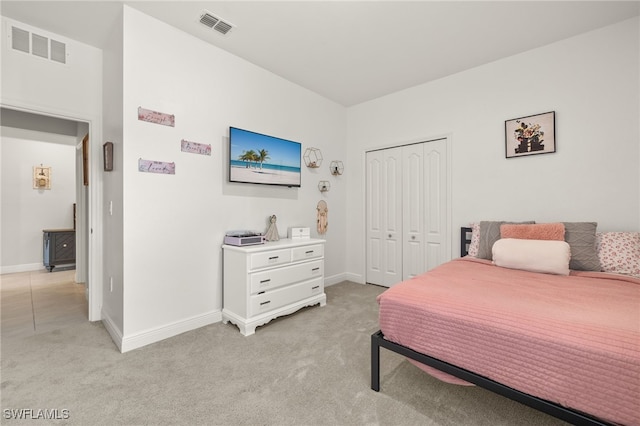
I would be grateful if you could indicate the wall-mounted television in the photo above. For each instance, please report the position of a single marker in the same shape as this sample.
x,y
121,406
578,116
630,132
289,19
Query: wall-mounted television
x,y
263,159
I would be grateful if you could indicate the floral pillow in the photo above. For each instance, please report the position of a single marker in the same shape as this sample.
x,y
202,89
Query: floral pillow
x,y
475,240
619,252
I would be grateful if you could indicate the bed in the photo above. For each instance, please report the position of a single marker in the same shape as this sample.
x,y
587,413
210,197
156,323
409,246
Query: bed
x,y
567,345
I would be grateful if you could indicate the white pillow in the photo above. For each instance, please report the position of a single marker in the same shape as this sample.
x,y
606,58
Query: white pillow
x,y
546,256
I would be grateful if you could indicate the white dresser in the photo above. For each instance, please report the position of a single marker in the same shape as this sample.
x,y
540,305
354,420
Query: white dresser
x,y
265,281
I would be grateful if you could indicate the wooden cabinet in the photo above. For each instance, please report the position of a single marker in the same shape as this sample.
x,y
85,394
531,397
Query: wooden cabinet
x,y
263,282
58,248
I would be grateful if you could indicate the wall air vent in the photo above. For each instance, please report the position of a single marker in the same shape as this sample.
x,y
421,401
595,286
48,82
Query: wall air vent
x,y
58,51
216,23
38,45
20,39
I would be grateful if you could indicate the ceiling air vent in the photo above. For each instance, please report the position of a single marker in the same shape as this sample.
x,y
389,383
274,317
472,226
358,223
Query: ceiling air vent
x,y
216,23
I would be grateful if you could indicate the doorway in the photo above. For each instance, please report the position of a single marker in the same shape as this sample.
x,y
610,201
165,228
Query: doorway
x,y
67,135
407,204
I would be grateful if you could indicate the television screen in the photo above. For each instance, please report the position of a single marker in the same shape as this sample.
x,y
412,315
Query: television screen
x,y
258,158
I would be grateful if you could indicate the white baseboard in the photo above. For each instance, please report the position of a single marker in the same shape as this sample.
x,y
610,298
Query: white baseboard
x,y
334,279
356,278
112,329
345,276
138,340
27,267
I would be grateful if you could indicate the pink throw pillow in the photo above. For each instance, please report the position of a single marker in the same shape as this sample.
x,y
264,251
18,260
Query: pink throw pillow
x,y
536,231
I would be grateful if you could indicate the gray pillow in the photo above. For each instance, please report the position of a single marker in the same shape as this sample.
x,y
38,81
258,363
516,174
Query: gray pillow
x,y
581,237
489,234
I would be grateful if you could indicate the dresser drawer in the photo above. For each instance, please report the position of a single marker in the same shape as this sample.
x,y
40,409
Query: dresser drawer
x,y
284,296
273,278
307,252
270,258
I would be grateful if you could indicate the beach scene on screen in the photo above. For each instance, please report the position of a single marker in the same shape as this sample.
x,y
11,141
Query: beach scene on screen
x,y
258,158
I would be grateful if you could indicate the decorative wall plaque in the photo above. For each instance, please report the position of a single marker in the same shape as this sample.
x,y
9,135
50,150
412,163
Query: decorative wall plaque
x,y
161,167
156,117
195,148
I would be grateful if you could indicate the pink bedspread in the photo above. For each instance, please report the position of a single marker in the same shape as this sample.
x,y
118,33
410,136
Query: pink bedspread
x,y
573,340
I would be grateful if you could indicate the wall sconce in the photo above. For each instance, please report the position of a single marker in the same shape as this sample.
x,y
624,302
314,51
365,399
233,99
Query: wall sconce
x,y
312,157
41,177
336,167
324,185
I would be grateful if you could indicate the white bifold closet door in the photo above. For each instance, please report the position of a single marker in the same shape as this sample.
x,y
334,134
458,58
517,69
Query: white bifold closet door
x,y
406,196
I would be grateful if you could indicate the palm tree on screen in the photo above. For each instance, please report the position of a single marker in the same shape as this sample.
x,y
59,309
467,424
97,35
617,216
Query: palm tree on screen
x,y
248,156
263,154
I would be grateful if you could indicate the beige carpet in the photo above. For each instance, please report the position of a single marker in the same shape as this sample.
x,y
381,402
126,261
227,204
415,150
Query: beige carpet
x,y
310,368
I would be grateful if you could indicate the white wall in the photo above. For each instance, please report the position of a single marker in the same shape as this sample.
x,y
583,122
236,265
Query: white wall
x,y
71,91
27,211
592,83
112,225
174,224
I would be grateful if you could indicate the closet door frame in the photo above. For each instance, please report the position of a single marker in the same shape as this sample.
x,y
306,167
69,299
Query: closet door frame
x,y
436,247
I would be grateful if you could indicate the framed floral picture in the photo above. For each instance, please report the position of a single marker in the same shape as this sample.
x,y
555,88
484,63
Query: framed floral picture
x,y
533,134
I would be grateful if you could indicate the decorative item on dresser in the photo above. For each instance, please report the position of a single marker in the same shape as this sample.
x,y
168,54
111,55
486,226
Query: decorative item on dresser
x,y
272,232
263,282
59,248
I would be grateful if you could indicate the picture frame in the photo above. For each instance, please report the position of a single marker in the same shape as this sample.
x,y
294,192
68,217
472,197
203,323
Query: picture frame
x,y
530,135
107,154
41,177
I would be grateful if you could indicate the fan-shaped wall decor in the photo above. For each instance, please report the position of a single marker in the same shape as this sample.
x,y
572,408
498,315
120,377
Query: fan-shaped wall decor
x,y
323,216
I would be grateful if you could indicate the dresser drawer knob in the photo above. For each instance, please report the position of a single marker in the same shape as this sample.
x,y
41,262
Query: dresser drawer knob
x,y
315,269
273,257
265,281
309,252
265,303
64,245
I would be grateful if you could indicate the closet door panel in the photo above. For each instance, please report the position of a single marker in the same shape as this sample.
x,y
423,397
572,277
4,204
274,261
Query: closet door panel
x,y
392,218
413,210
374,225
436,203
406,201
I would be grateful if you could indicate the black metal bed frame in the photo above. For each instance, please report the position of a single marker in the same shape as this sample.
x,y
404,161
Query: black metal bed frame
x,y
548,407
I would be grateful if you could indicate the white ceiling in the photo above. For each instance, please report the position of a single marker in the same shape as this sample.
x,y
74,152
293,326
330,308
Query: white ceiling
x,y
348,51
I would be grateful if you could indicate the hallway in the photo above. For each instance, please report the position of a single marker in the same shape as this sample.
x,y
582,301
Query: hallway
x,y
40,301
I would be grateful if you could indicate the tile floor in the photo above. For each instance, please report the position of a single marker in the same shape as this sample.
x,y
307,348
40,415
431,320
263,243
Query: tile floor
x,y
40,301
